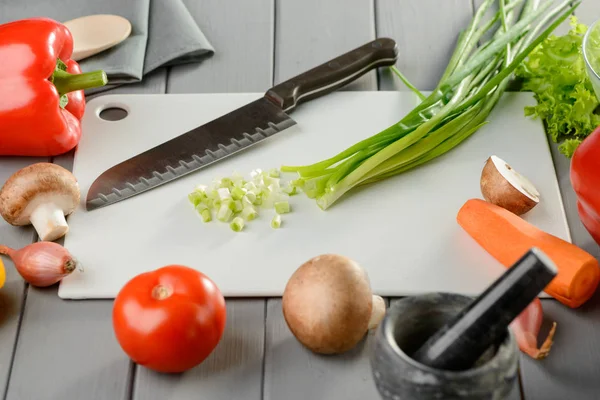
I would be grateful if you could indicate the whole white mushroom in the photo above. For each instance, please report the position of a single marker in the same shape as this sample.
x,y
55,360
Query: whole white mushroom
x,y
40,194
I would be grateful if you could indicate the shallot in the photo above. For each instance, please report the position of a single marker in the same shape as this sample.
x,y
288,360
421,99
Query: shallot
x,y
526,328
41,263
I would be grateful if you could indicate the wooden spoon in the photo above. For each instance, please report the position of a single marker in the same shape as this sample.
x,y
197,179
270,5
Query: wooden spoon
x,y
95,33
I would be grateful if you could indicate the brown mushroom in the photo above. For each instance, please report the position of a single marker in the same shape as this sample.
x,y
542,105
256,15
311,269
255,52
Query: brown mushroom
x,y
328,304
40,194
505,187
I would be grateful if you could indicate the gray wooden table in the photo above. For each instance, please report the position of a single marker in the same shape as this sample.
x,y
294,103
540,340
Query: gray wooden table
x,y
56,349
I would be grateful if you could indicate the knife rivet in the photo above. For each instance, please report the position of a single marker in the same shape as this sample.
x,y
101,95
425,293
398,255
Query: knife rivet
x,y
376,45
334,64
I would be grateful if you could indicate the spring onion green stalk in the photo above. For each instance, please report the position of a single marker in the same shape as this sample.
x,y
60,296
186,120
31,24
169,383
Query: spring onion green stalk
x,y
475,79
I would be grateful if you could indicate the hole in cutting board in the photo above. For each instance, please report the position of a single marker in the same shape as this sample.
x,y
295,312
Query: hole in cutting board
x,y
113,114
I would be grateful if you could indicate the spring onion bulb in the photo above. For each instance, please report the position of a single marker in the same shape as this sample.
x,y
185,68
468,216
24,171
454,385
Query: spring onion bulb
x,y
475,78
236,201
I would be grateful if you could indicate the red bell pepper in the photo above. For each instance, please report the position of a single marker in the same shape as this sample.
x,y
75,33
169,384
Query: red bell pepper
x,y
585,179
41,89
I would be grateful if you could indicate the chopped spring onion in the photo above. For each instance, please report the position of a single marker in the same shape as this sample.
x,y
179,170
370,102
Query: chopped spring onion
x,y
486,55
250,196
237,206
237,193
206,215
290,190
249,213
235,200
224,213
224,193
282,207
195,198
276,222
237,224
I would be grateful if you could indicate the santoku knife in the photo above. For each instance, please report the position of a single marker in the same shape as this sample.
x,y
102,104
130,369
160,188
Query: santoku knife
x,y
236,130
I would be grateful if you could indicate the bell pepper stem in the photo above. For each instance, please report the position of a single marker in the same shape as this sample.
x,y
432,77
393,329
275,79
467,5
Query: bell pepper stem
x,y
66,82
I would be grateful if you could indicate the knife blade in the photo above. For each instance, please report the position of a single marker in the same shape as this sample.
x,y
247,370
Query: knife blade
x,y
236,130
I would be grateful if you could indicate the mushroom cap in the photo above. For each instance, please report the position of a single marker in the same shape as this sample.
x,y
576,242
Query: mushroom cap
x,y
327,304
34,185
503,186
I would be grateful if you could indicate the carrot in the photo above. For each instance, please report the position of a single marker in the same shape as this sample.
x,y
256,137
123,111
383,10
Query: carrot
x,y
507,237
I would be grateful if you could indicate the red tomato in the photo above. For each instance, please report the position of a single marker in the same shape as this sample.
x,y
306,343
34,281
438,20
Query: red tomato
x,y
170,319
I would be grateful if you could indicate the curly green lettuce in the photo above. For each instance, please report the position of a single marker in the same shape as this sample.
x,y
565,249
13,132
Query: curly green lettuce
x,y
556,73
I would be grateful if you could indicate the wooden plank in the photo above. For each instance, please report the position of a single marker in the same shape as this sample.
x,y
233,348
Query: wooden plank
x,y
66,349
12,294
232,371
311,32
572,366
242,34
294,372
426,32
571,369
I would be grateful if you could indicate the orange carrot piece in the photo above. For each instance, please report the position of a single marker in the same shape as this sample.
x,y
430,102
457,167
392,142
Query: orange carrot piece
x,y
507,237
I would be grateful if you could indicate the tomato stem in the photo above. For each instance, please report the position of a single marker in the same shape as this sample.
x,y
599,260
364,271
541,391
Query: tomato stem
x,y
161,292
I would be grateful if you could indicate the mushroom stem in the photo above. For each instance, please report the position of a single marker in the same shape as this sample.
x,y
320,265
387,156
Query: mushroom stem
x,y
377,312
49,221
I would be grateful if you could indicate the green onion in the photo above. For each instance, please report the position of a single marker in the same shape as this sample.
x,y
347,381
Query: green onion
x,y
237,224
249,213
237,206
201,207
274,173
224,193
206,215
472,84
195,198
250,196
290,190
282,207
237,193
224,213
235,199
276,222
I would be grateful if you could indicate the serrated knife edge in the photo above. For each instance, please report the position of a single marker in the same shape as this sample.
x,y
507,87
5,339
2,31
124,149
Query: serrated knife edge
x,y
196,162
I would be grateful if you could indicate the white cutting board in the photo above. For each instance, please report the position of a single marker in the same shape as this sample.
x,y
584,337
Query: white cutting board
x,y
402,230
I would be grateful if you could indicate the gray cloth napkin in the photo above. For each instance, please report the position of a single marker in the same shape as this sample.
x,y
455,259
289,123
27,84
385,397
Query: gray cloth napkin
x,y
163,33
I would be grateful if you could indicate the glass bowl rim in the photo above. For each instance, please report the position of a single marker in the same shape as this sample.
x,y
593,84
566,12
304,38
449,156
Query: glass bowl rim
x,y
595,25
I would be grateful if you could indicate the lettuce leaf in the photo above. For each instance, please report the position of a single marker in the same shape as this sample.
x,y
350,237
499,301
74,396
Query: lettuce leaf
x,y
556,73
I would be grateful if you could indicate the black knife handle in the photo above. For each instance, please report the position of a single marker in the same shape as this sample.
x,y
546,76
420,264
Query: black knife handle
x,y
334,74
